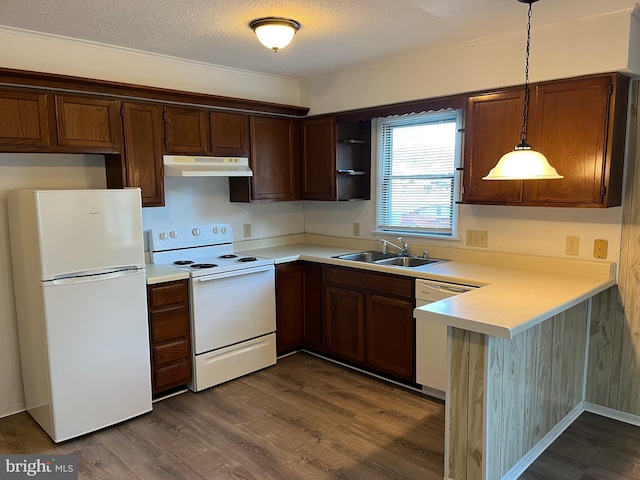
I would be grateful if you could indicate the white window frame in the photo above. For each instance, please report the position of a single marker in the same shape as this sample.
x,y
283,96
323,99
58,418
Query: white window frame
x,y
433,116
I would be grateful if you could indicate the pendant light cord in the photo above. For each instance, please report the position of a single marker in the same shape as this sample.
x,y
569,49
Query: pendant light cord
x,y
523,134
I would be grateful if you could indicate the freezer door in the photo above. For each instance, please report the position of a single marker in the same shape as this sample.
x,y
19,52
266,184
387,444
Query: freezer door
x,y
85,230
97,345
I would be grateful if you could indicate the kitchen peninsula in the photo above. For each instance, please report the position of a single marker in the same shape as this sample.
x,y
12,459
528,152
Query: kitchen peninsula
x,y
517,346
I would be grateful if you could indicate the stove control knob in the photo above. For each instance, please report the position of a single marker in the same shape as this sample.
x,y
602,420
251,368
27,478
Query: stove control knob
x,y
173,234
195,232
163,236
215,230
224,230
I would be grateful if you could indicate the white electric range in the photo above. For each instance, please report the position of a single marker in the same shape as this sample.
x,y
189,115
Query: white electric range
x,y
233,317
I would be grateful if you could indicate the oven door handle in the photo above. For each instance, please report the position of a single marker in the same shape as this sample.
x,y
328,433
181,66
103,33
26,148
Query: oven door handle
x,y
235,273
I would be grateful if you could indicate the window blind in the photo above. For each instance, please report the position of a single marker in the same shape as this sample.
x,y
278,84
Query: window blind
x,y
417,173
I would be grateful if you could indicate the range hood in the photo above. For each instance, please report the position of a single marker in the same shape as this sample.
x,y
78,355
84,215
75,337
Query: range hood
x,y
193,166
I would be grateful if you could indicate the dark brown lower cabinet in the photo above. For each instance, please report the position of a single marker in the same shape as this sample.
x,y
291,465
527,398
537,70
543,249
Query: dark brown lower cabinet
x,y
390,336
345,323
369,320
298,306
362,317
168,305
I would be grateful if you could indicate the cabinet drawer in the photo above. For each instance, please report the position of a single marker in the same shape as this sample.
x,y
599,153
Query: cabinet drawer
x,y
172,375
171,352
388,284
168,294
169,324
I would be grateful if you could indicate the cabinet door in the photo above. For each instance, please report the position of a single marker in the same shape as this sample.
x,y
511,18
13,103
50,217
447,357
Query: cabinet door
x,y
230,134
143,151
313,308
319,159
345,323
493,126
187,131
390,336
275,158
88,124
569,126
289,307
24,121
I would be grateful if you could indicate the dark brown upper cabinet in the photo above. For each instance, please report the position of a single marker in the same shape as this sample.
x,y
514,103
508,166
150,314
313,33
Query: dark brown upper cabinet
x,y
230,134
191,131
187,131
87,124
319,159
274,160
578,124
493,128
25,121
336,159
140,165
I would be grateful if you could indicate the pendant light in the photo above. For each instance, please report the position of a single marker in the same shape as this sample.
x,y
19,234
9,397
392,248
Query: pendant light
x,y
275,32
523,163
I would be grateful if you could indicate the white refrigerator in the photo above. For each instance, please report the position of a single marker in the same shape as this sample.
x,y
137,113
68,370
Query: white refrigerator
x,y
80,289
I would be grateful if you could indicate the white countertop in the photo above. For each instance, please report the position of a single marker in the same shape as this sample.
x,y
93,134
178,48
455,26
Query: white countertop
x,y
510,301
162,274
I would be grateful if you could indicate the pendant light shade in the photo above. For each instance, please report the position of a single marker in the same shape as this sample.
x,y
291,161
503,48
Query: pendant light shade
x,y
275,32
523,163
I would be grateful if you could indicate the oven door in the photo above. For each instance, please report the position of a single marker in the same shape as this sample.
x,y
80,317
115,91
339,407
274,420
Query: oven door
x,y
232,307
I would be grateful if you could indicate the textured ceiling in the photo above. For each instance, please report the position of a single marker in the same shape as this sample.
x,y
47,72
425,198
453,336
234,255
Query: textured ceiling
x,y
334,33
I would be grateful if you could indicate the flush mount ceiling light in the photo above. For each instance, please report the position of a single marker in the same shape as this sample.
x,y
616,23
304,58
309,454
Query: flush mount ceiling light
x,y
275,32
523,163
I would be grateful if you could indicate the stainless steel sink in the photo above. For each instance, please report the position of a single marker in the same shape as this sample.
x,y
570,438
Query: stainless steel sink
x,y
408,261
390,259
367,257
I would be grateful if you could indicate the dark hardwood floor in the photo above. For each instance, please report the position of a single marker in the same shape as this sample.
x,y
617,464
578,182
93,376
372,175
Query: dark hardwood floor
x,y
592,448
307,418
304,418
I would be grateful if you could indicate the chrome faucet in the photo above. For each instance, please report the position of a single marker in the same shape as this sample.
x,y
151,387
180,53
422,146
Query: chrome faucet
x,y
404,248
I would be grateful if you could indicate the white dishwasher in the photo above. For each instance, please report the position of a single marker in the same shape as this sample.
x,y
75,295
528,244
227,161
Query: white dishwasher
x,y
431,338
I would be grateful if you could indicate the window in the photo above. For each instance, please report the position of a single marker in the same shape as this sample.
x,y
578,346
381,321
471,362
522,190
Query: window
x,y
417,181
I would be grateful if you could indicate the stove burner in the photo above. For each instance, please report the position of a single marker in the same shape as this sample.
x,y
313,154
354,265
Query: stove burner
x,y
247,259
231,255
183,262
202,265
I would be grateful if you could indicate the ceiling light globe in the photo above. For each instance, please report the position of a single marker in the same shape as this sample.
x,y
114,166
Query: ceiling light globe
x,y
275,33
523,164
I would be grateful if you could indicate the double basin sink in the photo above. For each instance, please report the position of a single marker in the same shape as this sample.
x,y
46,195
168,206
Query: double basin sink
x,y
389,259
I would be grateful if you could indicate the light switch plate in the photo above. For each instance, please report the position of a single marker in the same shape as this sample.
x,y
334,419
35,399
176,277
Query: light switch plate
x,y
600,248
247,230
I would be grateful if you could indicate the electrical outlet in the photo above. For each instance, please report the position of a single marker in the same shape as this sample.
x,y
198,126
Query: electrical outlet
x,y
573,246
477,238
600,248
356,229
247,230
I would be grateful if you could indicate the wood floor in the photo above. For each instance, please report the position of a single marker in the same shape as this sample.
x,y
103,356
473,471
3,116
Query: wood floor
x,y
592,448
304,418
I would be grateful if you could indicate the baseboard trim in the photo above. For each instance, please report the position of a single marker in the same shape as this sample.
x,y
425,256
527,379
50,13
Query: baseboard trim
x,y
12,410
531,456
612,414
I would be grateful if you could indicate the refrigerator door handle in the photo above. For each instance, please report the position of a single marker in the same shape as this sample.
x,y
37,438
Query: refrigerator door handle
x,y
94,275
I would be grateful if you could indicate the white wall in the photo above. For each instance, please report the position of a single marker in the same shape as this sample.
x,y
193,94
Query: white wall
x,y
30,171
569,49
206,200
47,53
